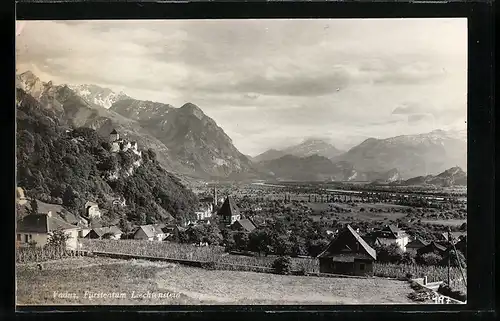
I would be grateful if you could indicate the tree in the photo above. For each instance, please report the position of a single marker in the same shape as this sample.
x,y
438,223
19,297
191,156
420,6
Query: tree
x,y
33,209
391,253
259,241
58,239
457,259
283,265
282,245
408,258
429,259
240,240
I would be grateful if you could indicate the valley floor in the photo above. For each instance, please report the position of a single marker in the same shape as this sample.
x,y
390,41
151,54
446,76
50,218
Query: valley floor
x,y
136,282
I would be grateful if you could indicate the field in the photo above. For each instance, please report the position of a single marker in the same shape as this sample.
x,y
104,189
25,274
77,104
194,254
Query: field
x,y
215,254
185,285
357,212
449,222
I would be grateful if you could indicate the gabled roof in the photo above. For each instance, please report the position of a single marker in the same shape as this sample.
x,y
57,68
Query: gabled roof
x,y
350,231
42,223
90,203
229,208
150,230
434,245
100,231
113,132
417,243
245,224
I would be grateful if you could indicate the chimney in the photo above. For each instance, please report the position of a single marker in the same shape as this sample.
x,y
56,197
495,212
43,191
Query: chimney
x,y
49,213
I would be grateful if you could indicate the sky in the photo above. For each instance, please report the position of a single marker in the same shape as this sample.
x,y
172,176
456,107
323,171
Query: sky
x,y
270,83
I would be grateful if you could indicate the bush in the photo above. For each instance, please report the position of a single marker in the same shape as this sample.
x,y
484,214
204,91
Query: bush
x,y
283,265
456,259
391,253
429,259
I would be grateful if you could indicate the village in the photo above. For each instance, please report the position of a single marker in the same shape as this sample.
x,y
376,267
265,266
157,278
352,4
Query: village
x,y
356,234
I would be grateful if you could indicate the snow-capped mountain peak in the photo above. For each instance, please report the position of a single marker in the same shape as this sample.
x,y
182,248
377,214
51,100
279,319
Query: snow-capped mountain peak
x,y
100,96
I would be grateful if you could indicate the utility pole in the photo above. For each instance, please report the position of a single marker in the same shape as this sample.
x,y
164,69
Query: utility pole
x,y
449,258
458,260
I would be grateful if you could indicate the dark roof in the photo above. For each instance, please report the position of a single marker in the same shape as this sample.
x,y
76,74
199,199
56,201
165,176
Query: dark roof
x,y
389,231
100,231
432,245
245,224
229,208
418,243
42,223
58,211
114,131
45,208
349,231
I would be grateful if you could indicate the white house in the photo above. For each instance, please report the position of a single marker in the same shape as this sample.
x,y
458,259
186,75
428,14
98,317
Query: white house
x,y
92,210
204,211
39,227
392,235
149,232
21,198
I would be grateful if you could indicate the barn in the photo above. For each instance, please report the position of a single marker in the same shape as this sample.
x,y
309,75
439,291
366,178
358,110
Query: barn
x,y
348,254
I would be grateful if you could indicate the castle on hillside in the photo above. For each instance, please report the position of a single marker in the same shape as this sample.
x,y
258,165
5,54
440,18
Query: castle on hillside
x,y
120,144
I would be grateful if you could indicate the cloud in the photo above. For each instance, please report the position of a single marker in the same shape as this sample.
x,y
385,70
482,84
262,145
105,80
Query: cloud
x,y
270,82
416,118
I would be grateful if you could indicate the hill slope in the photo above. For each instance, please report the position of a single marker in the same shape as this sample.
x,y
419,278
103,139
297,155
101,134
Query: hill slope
x,y
454,176
59,162
192,138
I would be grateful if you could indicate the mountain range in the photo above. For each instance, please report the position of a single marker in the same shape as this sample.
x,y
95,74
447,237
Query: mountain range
x,y
450,177
191,144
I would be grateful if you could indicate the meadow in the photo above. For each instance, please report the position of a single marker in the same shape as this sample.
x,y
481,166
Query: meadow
x,y
192,286
217,255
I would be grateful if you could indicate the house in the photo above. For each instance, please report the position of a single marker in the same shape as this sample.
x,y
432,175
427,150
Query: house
x,y
244,224
391,234
92,210
39,227
415,245
347,254
229,211
110,232
150,232
20,196
204,211
114,136
455,236
432,247
59,212
171,231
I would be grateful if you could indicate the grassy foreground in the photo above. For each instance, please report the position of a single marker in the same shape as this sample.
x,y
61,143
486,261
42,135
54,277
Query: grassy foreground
x,y
75,281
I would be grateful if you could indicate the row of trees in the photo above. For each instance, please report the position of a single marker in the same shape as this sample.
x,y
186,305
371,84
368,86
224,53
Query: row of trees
x,y
393,254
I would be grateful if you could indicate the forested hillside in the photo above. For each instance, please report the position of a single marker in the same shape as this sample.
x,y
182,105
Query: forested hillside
x,y
59,164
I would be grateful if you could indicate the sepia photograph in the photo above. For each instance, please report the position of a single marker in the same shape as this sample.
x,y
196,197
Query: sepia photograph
x,y
241,162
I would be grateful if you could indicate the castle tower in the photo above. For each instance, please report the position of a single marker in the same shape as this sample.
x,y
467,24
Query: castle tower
x,y
113,136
